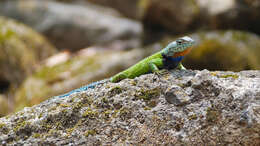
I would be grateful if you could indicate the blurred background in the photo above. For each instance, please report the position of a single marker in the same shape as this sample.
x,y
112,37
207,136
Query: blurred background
x,y
48,47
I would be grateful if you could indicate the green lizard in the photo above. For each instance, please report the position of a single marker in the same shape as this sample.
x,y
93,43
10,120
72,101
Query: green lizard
x,y
168,58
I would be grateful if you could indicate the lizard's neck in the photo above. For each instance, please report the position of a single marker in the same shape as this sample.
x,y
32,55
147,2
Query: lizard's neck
x,y
183,53
171,62
176,59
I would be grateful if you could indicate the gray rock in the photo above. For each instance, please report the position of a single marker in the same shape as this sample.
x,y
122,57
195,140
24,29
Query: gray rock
x,y
223,50
4,108
221,108
183,16
21,52
126,7
73,26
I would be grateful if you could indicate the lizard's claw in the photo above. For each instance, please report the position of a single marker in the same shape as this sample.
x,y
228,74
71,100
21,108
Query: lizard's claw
x,y
164,71
161,72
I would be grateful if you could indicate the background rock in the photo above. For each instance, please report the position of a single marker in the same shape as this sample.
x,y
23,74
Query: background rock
x,y
73,26
4,108
167,16
182,16
127,7
223,50
237,14
21,50
217,108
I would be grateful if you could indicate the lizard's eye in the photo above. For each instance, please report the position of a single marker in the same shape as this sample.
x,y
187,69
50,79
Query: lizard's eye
x,y
179,42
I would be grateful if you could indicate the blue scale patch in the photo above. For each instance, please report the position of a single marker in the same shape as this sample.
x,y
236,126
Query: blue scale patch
x,y
176,59
170,62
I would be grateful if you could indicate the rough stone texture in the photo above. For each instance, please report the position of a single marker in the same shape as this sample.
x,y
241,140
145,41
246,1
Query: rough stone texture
x,y
73,26
178,108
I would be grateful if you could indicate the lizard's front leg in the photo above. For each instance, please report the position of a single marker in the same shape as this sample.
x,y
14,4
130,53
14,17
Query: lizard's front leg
x,y
154,66
181,67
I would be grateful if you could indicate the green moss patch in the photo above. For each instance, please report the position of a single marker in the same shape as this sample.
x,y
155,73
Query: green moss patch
x,y
234,76
147,95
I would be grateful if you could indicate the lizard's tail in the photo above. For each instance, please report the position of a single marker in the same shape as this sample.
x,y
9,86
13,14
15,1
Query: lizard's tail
x,y
84,88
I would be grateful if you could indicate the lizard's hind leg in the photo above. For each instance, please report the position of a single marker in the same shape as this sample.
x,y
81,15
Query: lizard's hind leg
x,y
118,77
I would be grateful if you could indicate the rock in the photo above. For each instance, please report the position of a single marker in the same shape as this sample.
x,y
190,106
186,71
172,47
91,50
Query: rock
x,y
73,26
222,109
21,50
182,16
234,14
127,7
72,71
164,16
223,50
4,108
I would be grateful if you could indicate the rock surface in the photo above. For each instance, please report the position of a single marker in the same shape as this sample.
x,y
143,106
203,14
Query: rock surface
x,y
178,107
73,27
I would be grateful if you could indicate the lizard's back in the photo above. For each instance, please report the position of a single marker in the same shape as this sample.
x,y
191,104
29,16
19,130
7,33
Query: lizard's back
x,y
142,67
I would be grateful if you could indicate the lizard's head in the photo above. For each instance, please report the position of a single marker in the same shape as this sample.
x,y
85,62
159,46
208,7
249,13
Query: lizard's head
x,y
180,47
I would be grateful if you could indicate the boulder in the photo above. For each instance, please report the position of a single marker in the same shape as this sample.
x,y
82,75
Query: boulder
x,y
223,50
21,50
4,108
183,16
176,108
72,26
128,8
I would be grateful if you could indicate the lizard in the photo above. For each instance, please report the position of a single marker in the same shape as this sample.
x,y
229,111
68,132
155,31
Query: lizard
x,y
168,58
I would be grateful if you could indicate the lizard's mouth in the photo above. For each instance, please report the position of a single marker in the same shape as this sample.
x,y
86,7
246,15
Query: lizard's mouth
x,y
183,53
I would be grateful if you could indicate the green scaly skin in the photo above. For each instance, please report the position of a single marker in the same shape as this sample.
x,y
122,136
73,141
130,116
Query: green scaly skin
x,y
149,64
152,63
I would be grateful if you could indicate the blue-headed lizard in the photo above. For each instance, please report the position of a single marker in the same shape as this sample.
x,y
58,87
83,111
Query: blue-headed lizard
x,y
168,58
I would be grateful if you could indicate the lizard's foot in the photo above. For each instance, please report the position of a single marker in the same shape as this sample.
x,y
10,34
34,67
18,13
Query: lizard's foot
x,y
161,72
